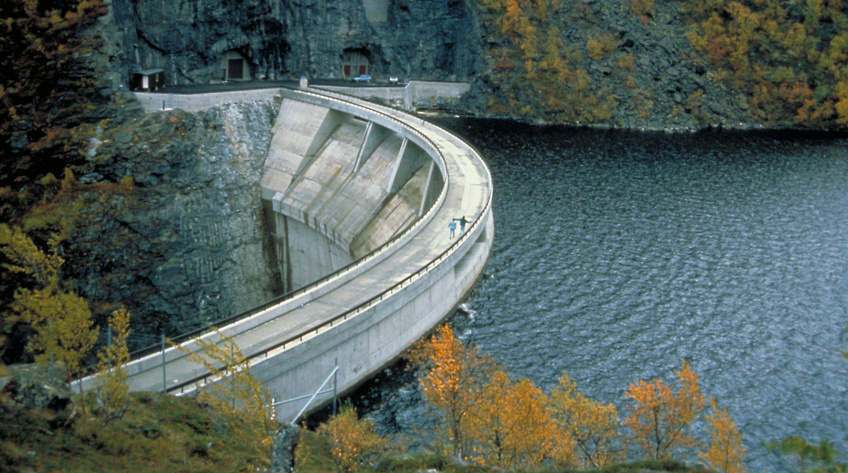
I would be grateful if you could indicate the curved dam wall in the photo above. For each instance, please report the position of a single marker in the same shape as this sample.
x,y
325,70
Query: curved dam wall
x,y
379,186
336,186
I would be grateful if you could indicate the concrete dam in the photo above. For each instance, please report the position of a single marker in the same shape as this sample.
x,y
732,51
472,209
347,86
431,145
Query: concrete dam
x,y
358,197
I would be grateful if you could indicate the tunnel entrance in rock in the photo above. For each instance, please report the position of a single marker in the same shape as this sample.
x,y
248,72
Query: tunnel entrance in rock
x,y
355,62
234,66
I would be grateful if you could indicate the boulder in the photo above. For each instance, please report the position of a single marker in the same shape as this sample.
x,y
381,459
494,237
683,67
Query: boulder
x,y
282,455
38,386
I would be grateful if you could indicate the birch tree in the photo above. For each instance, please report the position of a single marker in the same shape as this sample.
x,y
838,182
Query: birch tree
x,y
660,417
452,381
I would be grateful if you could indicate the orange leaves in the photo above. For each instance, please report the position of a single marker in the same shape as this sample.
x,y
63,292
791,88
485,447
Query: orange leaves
x,y
487,417
725,452
749,42
660,419
592,425
510,427
453,380
351,441
495,421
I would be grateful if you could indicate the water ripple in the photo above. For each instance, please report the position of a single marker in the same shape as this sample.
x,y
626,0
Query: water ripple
x,y
618,254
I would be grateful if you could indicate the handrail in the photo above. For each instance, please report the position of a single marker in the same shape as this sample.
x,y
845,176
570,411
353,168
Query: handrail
x,y
263,353
370,302
209,328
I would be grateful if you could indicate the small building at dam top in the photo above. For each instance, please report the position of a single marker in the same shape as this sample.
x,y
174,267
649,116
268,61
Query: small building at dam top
x,y
358,197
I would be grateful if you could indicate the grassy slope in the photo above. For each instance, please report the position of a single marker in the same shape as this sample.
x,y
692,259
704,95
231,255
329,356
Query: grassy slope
x,y
178,435
157,433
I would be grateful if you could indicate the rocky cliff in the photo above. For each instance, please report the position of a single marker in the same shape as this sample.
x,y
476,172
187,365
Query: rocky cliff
x,y
620,63
194,40
186,244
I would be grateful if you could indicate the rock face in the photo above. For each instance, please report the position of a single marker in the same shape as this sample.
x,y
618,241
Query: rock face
x,y
195,40
37,385
282,454
187,244
662,84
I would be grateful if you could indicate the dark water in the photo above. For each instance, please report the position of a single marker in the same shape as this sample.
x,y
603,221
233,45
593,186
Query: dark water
x,y
618,254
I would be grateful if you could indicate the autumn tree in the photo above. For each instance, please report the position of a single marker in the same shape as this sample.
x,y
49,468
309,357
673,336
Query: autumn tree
x,y
112,373
787,57
236,391
725,451
350,442
592,425
64,330
452,381
48,87
510,426
660,418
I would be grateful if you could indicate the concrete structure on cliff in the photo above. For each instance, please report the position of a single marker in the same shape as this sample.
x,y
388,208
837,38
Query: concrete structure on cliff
x,y
359,197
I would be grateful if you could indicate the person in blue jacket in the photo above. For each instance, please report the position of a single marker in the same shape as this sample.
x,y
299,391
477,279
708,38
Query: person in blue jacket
x,y
462,221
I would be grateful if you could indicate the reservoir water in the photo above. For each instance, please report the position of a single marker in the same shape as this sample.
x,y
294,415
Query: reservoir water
x,y
618,254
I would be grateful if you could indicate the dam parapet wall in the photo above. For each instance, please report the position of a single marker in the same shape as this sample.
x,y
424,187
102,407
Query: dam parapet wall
x,y
412,95
366,314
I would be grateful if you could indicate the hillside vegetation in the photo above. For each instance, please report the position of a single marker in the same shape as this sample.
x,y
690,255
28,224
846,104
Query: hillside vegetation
x,y
688,64
157,433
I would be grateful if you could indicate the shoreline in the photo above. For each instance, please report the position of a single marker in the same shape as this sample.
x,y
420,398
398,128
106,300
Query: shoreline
x,y
671,129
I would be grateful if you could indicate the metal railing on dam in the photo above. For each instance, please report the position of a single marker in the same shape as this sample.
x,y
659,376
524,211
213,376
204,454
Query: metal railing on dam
x,y
367,313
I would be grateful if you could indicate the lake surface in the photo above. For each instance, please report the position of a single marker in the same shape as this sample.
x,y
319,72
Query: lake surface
x,y
618,254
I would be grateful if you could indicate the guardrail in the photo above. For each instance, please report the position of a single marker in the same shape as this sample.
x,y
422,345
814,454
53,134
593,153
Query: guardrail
x,y
434,152
287,343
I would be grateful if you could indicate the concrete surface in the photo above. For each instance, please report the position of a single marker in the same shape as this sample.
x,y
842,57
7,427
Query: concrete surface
x,y
367,314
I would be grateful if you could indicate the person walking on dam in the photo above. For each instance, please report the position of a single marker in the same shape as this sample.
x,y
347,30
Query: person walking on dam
x,y
452,227
462,221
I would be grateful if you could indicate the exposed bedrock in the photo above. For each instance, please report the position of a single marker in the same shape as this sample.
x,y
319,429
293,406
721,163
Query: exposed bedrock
x,y
234,205
188,244
194,41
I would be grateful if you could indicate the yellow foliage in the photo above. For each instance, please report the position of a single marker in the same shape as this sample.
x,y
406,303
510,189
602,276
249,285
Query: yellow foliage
x,y
496,5
112,373
812,14
237,392
510,426
660,418
842,110
351,441
601,46
593,426
626,61
28,259
452,380
64,330
581,80
643,7
594,48
761,48
725,452
553,60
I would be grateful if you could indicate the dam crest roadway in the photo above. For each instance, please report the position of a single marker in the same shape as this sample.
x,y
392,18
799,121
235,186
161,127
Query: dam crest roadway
x,y
358,197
